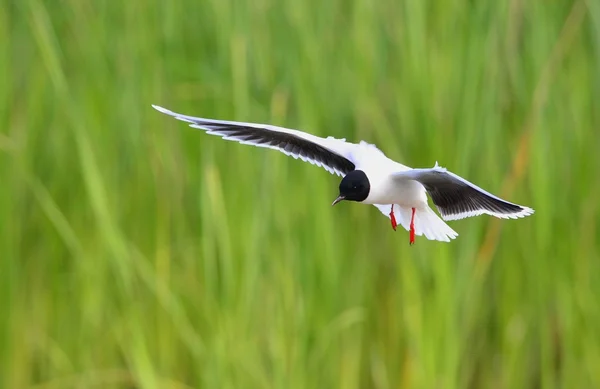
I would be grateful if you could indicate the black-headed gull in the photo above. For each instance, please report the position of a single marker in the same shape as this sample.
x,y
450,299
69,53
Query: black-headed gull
x,y
369,177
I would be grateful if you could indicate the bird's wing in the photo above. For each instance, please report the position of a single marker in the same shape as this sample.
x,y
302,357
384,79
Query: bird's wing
x,y
457,198
334,155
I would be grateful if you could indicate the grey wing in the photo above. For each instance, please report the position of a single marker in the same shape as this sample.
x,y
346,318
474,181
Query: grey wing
x,y
334,155
457,198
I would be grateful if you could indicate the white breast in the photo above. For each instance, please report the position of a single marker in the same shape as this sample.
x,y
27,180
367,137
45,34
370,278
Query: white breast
x,y
385,189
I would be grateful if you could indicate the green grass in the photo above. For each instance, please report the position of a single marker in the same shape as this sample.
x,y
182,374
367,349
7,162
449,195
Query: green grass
x,y
139,253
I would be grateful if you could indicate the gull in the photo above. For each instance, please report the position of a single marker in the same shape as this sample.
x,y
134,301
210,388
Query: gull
x,y
369,177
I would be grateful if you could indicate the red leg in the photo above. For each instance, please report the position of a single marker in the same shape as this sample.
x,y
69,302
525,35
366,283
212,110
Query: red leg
x,y
393,218
412,227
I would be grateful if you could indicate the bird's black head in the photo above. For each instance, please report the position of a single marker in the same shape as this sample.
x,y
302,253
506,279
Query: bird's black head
x,y
355,186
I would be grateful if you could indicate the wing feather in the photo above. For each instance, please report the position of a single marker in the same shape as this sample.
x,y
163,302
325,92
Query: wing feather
x,y
457,198
334,155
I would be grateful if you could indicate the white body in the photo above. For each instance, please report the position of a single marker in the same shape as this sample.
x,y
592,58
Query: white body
x,y
387,190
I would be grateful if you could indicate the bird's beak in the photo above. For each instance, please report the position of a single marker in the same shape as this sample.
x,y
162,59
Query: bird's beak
x,y
339,198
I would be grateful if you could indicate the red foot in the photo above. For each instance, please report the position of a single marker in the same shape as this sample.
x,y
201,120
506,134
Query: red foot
x,y
412,228
393,218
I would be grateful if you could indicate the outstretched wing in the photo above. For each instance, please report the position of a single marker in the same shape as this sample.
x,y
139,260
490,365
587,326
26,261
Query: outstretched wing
x,y
334,155
457,198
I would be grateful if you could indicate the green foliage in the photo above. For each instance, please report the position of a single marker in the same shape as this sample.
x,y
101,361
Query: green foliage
x,y
140,253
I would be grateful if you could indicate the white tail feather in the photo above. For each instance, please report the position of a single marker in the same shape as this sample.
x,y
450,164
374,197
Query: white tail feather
x,y
426,222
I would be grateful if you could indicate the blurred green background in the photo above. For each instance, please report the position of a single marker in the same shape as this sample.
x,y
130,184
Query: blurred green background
x,y
136,252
